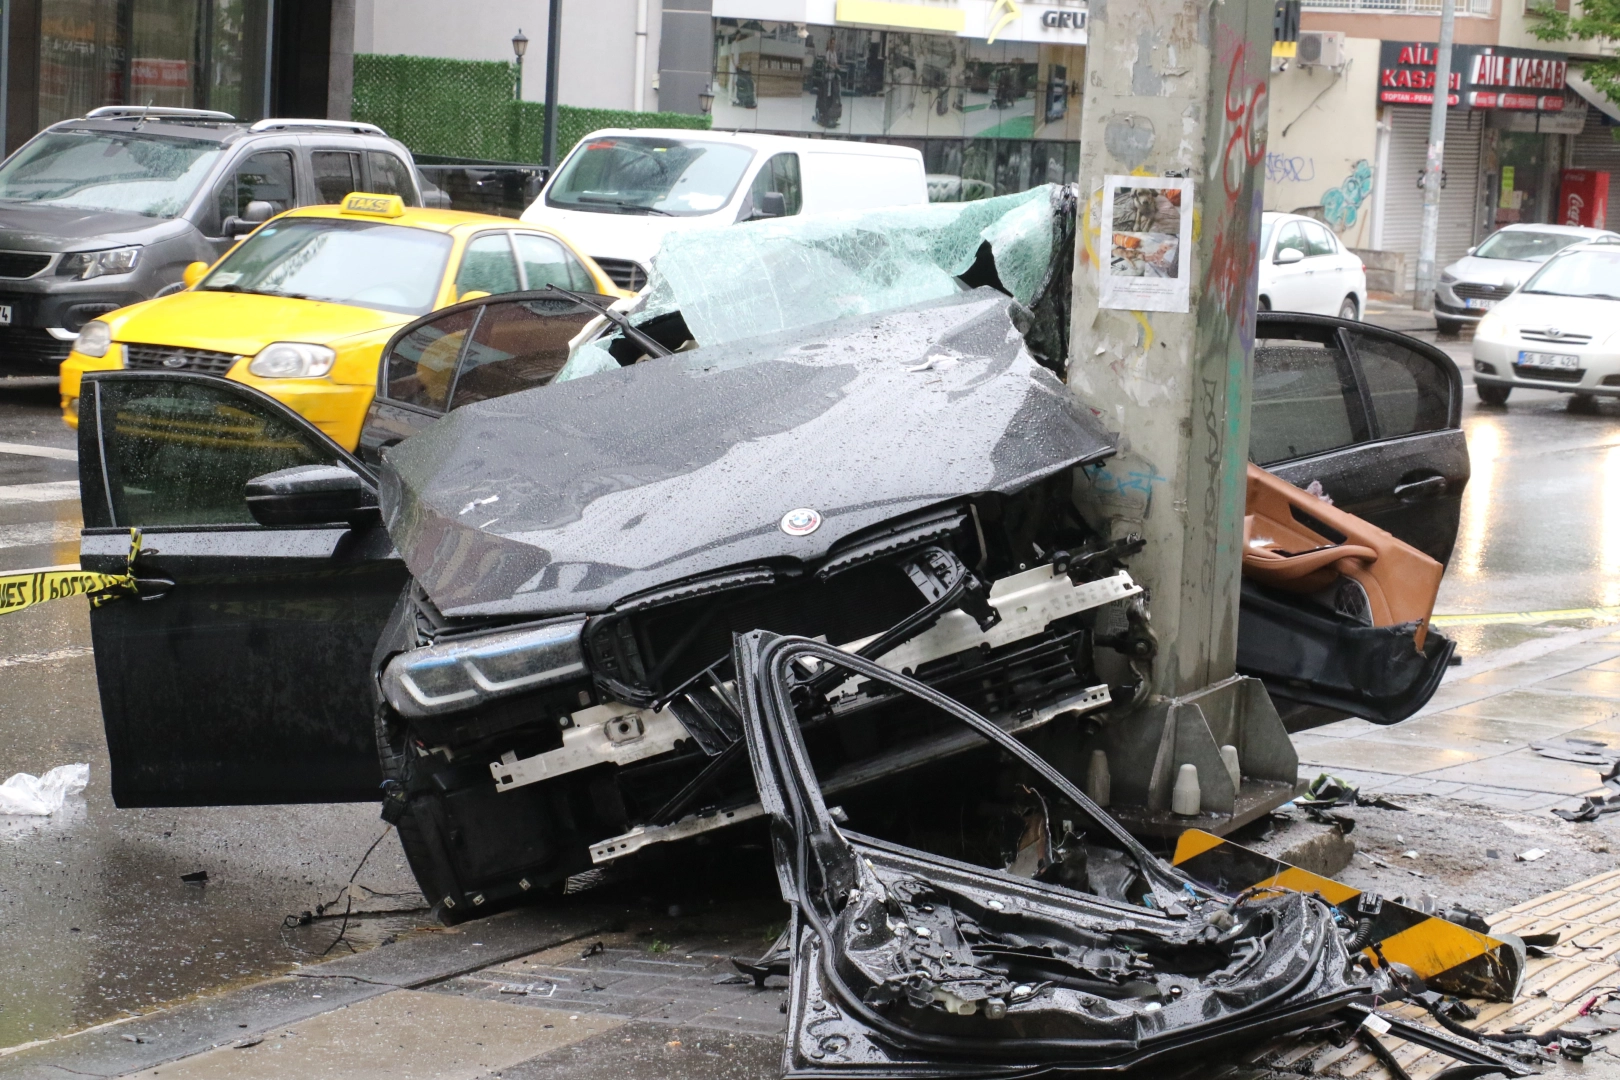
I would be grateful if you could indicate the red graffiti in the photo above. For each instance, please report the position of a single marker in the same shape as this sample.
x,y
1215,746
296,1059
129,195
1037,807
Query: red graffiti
x,y
1246,122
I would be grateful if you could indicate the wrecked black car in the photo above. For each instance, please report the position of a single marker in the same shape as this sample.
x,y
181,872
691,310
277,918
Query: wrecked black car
x,y
517,631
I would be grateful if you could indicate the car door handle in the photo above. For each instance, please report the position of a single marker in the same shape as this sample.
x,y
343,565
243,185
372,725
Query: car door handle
x,y
151,588
1427,488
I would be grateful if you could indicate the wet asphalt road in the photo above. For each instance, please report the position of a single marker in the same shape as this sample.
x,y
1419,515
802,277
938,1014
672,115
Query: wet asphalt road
x,y
95,922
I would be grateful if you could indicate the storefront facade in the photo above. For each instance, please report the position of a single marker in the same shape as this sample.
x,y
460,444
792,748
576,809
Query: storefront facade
x,y
250,58
989,92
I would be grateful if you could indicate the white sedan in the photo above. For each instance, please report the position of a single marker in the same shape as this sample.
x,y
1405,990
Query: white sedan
x,y
1558,331
1473,284
1304,267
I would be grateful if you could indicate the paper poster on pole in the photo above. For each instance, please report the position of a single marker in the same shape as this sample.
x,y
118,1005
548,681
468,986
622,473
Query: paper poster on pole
x,y
1147,233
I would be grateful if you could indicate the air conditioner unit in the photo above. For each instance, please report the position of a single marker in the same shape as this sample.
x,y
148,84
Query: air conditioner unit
x,y
1320,48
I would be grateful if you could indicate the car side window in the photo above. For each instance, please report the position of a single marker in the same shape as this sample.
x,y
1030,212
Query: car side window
x,y
1410,394
262,177
1291,237
1305,401
487,266
420,368
1318,240
179,453
781,175
517,345
547,262
390,176
337,173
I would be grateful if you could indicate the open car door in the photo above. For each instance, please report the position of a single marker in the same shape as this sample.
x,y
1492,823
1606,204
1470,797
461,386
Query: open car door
x,y
240,672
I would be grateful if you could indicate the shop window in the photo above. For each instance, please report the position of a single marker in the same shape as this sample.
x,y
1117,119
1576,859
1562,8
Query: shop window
x,y
337,173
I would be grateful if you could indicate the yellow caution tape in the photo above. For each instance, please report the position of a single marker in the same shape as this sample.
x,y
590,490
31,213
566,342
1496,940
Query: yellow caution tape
x,y
29,587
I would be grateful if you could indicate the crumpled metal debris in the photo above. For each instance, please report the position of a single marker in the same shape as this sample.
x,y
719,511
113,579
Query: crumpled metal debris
x,y
1595,806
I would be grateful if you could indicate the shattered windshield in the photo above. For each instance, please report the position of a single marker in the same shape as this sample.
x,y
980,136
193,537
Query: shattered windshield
x,y
1590,273
364,263
1524,246
644,175
151,175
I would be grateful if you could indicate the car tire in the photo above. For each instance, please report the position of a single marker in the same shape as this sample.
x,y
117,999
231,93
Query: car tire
x,y
1582,403
1349,309
393,754
1265,304
1448,327
1492,394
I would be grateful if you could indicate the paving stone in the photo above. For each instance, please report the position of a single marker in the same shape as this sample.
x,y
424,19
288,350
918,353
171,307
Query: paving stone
x,y
1524,770
1586,681
1539,706
1483,736
1385,757
649,1051
403,1035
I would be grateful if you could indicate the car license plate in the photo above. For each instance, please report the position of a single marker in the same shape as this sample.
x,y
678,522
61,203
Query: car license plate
x,y
5,314
1549,361
1478,305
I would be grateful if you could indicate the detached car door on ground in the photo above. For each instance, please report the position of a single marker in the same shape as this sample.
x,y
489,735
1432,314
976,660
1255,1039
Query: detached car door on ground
x,y
238,674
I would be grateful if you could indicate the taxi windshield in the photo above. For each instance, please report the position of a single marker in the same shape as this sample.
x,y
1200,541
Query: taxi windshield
x,y
364,263
645,175
151,175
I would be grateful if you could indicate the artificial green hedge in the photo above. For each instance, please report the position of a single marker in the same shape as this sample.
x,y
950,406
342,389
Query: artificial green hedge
x,y
464,108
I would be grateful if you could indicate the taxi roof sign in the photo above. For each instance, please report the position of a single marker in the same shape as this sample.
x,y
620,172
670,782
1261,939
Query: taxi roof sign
x,y
361,202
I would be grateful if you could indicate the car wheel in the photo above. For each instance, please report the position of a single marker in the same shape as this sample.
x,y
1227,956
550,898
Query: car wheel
x,y
393,754
1449,328
1265,304
1491,394
1349,309
1583,403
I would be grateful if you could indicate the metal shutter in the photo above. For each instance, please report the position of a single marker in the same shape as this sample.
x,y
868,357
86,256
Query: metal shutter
x,y
1596,149
1459,200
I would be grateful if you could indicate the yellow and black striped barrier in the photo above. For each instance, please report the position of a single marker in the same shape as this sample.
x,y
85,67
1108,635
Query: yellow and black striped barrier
x,y
26,588
1447,956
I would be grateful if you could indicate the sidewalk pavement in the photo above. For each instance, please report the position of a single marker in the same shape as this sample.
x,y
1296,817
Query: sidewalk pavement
x,y
1472,741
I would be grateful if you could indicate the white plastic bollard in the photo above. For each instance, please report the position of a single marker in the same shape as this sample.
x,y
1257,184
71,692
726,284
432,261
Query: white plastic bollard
x,y
1098,783
1230,759
1185,798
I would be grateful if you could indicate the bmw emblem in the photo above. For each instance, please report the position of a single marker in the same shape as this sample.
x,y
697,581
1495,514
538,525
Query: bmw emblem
x,y
801,522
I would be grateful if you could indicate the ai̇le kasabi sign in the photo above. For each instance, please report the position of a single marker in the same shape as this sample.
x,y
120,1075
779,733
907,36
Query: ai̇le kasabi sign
x,y
1482,76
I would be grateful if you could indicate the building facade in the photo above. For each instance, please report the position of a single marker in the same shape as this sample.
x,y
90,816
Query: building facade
x,y
251,58
1349,138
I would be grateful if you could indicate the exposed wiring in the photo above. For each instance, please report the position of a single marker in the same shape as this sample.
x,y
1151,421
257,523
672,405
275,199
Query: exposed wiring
x,y
1336,77
346,893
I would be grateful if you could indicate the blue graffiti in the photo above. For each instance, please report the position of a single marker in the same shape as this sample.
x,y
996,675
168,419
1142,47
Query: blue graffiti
x,y
1280,168
1340,204
1112,483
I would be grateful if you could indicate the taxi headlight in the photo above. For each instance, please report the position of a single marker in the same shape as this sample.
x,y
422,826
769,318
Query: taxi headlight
x,y
292,360
459,675
94,339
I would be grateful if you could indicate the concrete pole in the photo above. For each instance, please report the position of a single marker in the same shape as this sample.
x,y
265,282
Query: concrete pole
x,y
638,92
340,63
1434,166
1178,88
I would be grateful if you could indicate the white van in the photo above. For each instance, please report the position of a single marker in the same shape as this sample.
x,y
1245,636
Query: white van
x,y
620,191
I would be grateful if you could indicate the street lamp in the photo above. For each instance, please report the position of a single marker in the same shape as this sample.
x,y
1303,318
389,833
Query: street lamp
x,y
520,45
548,145
706,100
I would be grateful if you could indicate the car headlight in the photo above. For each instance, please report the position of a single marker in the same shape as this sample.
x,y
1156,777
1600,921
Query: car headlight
x,y
292,360
459,675
91,264
1447,277
94,339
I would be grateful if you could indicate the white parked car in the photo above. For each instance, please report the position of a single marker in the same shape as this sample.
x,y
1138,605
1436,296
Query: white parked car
x,y
619,192
1475,283
1558,331
1304,267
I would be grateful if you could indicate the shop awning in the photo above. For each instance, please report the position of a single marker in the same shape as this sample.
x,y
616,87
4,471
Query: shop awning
x,y
1576,79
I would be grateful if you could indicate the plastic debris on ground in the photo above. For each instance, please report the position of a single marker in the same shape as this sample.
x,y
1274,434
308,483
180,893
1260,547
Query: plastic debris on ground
x,y
41,796
1595,806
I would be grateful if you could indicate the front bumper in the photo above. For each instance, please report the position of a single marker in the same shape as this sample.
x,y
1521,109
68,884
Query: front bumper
x,y
1452,305
1496,364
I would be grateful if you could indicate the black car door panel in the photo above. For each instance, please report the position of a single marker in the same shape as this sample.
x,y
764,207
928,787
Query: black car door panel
x,y
241,672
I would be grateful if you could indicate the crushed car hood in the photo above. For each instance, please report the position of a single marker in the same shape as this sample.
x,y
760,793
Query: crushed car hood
x,y
573,497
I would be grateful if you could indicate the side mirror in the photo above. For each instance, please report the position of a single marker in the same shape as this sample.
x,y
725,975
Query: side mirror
x,y
1288,256
1472,250
772,204
193,273
310,495
257,213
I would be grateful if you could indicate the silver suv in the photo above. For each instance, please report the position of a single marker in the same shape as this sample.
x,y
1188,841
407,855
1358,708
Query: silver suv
x,y
105,211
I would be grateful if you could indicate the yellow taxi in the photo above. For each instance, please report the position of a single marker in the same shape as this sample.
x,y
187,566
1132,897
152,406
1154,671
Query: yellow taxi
x,y
303,306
